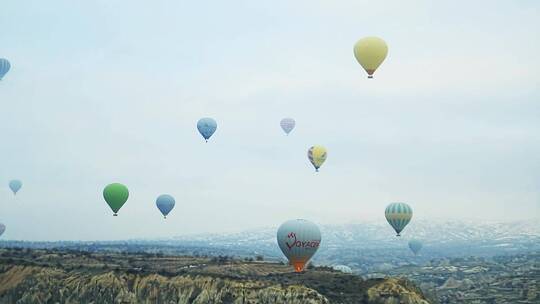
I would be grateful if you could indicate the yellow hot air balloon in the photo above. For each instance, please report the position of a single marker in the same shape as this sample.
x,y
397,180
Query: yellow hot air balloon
x,y
317,156
370,52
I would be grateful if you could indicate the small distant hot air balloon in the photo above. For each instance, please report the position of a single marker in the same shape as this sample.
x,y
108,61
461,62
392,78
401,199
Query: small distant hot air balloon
x,y
415,246
15,185
317,156
370,52
343,268
116,196
298,240
5,66
2,229
287,124
398,216
206,126
165,204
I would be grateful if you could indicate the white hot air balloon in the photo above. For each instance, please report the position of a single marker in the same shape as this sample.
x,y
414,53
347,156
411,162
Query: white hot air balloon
x,y
343,268
299,240
287,124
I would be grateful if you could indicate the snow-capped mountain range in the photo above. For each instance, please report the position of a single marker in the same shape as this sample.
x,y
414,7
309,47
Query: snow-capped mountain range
x,y
441,235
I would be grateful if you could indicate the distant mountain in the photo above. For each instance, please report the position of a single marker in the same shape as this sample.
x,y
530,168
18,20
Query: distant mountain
x,y
380,233
365,247
440,238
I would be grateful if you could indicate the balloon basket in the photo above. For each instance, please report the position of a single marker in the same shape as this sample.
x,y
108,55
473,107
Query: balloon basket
x,y
115,214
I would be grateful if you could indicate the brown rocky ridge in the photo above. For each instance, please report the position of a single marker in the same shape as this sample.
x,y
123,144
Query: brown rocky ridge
x,y
60,276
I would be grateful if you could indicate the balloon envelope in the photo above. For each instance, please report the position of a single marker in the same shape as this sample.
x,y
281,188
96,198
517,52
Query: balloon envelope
x,y
287,124
2,229
207,126
15,185
317,156
398,216
116,196
415,246
343,268
298,240
370,52
165,204
5,66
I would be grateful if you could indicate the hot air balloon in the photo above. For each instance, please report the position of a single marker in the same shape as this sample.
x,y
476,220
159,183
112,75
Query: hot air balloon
x,y
15,185
116,196
165,204
317,156
299,240
398,216
4,67
206,126
370,52
415,246
343,268
287,124
2,229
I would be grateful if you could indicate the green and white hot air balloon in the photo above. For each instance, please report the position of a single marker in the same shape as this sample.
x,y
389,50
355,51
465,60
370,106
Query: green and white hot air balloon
x,y
398,216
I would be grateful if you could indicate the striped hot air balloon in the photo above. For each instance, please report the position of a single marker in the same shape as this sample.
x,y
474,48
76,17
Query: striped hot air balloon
x,y
2,229
5,66
398,216
317,156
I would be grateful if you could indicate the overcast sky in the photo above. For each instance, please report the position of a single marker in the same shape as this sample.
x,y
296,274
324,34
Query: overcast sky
x,y
110,91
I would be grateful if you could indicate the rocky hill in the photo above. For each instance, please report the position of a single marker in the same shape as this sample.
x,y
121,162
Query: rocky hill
x,y
51,276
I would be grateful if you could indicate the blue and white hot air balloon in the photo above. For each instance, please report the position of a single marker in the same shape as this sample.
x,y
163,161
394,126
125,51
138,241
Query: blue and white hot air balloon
x,y
398,216
206,126
287,124
5,66
15,185
165,204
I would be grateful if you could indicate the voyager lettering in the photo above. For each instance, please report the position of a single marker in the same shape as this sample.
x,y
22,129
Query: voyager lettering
x,y
300,244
